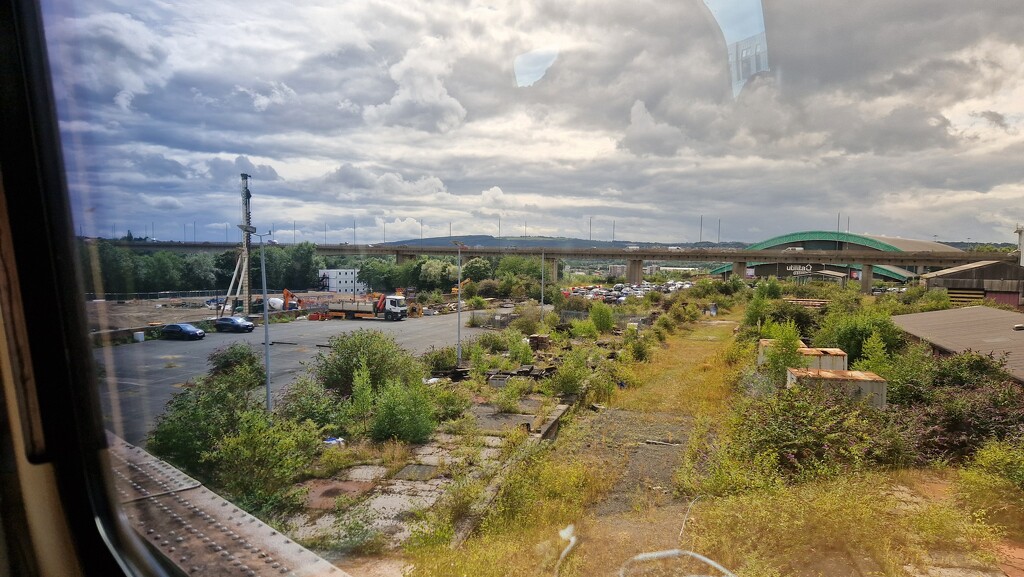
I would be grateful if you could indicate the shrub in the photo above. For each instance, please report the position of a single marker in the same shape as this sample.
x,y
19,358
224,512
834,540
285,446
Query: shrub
x,y
768,289
440,360
476,303
449,403
307,399
224,359
528,321
957,422
520,353
815,433
601,316
576,303
200,415
507,399
568,379
666,324
386,360
584,329
404,413
969,369
358,408
993,484
848,332
487,288
259,463
493,342
783,353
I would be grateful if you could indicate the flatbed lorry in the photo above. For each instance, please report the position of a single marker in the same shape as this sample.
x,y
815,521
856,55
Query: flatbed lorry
x,y
388,307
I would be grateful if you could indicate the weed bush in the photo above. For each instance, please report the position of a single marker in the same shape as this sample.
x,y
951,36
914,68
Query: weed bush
x,y
307,399
992,485
386,360
404,413
493,342
476,303
584,329
258,463
570,376
225,359
449,402
440,360
848,332
958,421
507,399
602,317
520,353
198,416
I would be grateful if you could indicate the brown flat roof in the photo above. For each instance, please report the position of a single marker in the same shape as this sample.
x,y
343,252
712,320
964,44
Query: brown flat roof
x,y
817,351
835,375
981,329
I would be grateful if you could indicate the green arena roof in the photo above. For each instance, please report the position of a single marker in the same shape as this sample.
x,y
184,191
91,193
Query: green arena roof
x,y
880,243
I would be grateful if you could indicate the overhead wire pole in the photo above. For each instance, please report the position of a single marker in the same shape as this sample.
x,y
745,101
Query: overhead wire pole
x,y
266,312
458,307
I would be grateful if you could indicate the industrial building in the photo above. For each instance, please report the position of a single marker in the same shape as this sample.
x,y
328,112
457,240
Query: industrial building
x,y
345,280
834,240
999,281
981,329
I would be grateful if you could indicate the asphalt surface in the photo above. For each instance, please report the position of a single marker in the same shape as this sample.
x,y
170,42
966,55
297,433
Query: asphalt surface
x,y
138,379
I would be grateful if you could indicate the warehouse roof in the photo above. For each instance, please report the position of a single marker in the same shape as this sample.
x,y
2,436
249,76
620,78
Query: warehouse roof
x,y
981,329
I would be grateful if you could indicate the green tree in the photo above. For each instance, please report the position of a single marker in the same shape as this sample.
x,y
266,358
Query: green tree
x,y
518,266
161,271
378,274
199,271
477,269
303,265
436,274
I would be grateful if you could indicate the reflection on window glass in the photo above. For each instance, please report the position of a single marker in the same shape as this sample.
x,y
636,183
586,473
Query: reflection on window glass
x,y
490,293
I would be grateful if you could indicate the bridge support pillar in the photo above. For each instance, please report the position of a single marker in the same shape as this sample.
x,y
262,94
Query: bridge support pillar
x,y
635,271
739,269
402,258
867,276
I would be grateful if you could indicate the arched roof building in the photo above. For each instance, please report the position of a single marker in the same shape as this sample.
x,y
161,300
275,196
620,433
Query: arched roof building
x,y
836,240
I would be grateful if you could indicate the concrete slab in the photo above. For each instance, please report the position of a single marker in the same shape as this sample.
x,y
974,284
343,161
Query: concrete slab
x,y
366,473
417,472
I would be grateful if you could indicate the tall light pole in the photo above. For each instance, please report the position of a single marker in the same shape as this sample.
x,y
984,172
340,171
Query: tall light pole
x,y
458,307
542,266
266,308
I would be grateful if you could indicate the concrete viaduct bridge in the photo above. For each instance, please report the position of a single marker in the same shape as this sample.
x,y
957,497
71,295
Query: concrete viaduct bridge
x,y
634,257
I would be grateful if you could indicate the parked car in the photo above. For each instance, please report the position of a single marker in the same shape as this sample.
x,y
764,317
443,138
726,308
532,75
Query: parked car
x,y
233,325
183,331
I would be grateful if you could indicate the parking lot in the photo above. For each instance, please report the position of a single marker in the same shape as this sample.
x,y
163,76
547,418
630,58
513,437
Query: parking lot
x,y
138,379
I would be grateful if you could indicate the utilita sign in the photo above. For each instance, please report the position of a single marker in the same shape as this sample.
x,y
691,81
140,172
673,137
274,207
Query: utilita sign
x,y
800,267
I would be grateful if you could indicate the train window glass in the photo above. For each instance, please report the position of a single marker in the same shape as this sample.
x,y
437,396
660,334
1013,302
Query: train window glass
x,y
235,159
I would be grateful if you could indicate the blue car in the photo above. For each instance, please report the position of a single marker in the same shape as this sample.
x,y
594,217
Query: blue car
x,y
183,331
233,324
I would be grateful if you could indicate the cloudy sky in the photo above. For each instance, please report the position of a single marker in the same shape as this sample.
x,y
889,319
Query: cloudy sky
x,y
902,118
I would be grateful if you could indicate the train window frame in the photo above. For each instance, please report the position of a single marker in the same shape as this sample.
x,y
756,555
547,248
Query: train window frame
x,y
58,515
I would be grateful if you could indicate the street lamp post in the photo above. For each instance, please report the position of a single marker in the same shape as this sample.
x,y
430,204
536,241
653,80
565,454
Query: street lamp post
x,y
266,309
458,307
